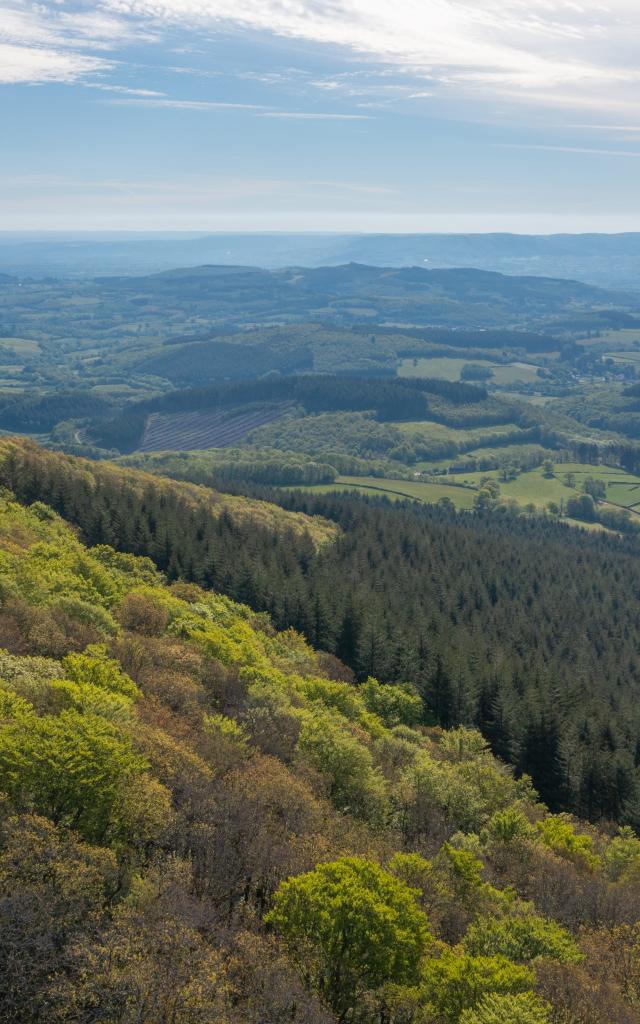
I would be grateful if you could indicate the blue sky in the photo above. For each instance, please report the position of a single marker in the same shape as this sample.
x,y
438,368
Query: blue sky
x,y
354,115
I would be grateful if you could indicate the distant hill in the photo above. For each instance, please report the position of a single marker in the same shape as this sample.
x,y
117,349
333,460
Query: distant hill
x,y
601,259
353,292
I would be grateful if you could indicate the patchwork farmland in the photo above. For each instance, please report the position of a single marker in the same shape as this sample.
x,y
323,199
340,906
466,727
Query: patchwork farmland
x,y
186,431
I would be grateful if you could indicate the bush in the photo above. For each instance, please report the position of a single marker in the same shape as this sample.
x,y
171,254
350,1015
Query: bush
x,y
557,832
141,613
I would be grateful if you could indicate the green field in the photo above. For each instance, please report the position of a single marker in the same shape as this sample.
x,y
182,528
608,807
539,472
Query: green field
x,y
627,336
476,436
531,488
20,345
449,369
623,489
398,490
632,357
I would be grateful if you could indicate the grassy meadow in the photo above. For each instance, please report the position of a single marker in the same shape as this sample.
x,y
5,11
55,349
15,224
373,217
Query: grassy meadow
x,y
450,368
532,488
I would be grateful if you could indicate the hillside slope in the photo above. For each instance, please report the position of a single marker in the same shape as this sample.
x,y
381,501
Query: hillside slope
x,y
58,473
204,819
524,627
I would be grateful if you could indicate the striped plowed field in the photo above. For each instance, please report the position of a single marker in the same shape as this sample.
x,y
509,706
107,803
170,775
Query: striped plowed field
x,y
186,431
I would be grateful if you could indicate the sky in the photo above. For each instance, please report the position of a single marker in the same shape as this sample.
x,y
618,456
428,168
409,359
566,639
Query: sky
x,y
320,115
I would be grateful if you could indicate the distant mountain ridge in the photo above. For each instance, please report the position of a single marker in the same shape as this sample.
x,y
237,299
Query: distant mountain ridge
x,y
607,260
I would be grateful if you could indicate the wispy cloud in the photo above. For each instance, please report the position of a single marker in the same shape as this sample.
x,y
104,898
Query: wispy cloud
x,y
30,64
170,104
585,150
606,127
553,53
39,44
518,49
303,115
124,90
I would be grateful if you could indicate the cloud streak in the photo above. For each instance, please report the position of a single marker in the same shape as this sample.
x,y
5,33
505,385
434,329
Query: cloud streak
x,y
39,44
30,64
302,115
546,53
516,49
171,104
583,150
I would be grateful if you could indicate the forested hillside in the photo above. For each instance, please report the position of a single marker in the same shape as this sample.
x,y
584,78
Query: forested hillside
x,y
522,627
134,337
305,395
203,819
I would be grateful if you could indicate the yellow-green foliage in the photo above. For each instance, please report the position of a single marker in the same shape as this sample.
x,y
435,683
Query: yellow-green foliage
x,y
345,699
521,937
222,726
355,784
75,768
43,562
341,730
354,926
525,1008
234,732
96,669
622,856
88,682
456,981
395,705
557,832
462,779
509,827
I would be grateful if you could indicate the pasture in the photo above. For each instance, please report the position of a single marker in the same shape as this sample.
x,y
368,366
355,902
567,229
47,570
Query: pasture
x,y
632,356
627,336
399,490
532,488
450,369
623,489
22,345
